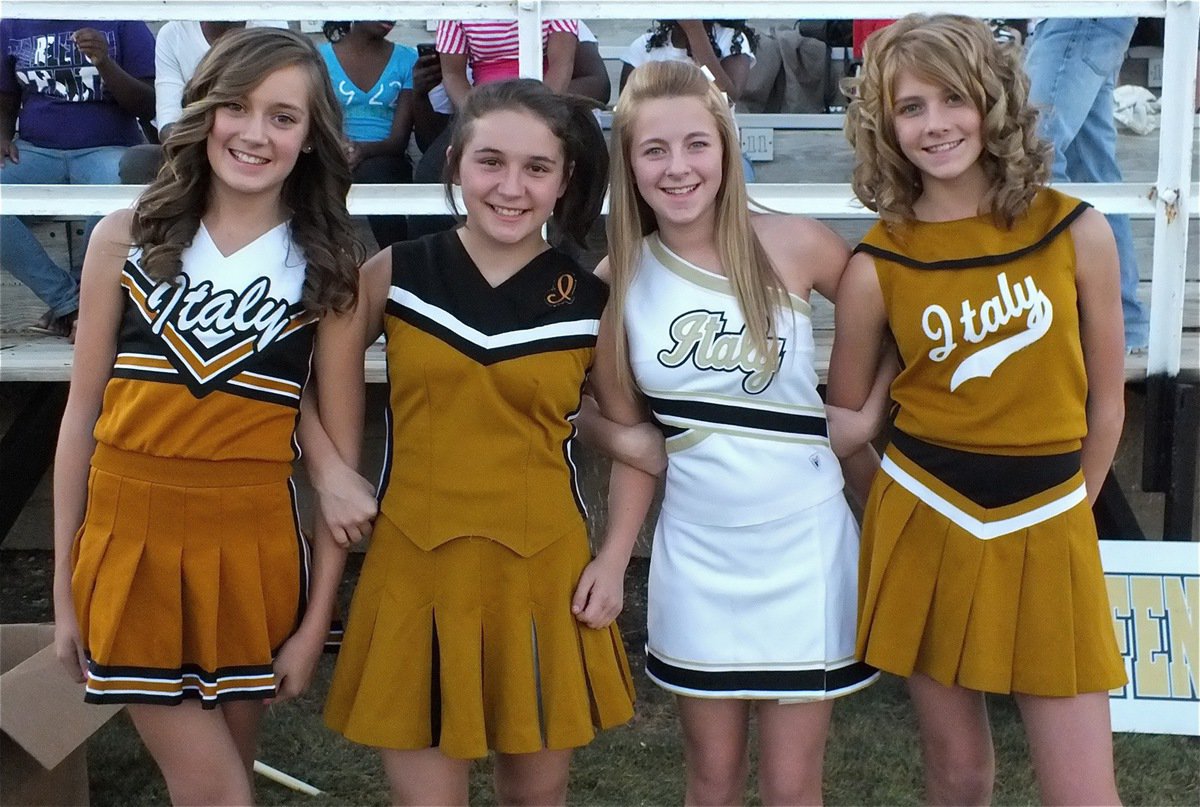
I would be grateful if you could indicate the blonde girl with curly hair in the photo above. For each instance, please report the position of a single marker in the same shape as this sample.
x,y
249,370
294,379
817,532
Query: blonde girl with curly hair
x,y
708,330
183,586
980,568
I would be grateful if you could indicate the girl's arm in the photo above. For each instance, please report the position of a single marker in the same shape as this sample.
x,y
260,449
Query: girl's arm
x,y
599,596
427,123
811,257
560,60
859,343
626,70
589,76
641,446
100,308
1101,331
397,140
729,73
454,77
341,401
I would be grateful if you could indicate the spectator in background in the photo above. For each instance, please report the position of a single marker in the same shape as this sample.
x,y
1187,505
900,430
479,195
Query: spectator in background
x,y
725,47
178,49
432,107
373,80
75,90
1072,64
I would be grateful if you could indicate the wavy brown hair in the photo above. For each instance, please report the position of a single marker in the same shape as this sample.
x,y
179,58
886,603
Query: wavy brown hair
x,y
957,53
167,215
759,291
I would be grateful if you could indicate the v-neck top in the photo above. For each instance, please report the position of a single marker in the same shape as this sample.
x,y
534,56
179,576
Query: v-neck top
x,y
211,365
484,383
368,111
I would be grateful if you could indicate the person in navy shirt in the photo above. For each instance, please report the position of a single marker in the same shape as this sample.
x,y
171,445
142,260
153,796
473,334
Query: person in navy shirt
x,y
71,93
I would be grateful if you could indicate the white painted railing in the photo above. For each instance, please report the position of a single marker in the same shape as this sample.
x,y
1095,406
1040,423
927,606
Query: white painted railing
x,y
1172,199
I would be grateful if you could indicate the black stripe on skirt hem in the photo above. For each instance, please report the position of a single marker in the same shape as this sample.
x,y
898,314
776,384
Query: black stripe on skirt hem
x,y
785,682
177,698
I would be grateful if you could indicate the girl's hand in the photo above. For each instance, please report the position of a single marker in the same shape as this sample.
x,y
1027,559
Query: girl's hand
x,y
294,665
68,646
600,594
347,503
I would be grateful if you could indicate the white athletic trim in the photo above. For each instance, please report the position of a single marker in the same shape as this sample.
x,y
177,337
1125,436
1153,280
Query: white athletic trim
x,y
983,530
583,327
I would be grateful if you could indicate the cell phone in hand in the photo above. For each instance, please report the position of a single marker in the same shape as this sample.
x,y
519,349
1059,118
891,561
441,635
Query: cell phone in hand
x,y
426,49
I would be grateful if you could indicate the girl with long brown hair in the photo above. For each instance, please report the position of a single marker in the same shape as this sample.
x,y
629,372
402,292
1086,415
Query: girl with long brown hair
x,y
182,580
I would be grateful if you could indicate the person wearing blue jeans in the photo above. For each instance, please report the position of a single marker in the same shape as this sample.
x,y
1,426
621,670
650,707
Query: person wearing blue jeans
x,y
24,256
1072,64
71,93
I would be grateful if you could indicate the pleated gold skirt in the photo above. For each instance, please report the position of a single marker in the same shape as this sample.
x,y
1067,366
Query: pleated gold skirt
x,y
470,647
187,577
1026,611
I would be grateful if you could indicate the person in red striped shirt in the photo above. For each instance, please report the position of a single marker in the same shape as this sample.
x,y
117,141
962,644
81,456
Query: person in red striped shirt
x,y
490,47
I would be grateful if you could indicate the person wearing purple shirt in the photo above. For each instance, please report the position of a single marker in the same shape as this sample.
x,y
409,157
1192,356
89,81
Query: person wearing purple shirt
x,y
71,93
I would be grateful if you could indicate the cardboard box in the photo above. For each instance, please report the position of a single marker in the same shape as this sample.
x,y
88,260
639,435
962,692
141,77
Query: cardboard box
x,y
44,722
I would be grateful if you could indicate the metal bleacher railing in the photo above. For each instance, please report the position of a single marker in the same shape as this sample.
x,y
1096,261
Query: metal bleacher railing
x,y
1172,200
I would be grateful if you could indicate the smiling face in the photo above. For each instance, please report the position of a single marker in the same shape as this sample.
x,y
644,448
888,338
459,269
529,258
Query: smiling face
x,y
255,140
938,130
676,155
512,173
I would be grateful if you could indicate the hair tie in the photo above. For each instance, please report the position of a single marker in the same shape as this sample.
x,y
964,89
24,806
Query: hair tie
x,y
709,75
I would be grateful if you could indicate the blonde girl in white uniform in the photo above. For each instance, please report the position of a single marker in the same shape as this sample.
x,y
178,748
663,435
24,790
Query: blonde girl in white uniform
x,y
182,581
755,532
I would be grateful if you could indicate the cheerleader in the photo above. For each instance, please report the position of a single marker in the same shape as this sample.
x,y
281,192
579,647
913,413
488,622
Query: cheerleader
x,y
472,628
980,566
182,580
752,572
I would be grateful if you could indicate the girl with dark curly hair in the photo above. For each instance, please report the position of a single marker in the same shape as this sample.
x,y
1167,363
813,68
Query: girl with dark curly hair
x,y
980,568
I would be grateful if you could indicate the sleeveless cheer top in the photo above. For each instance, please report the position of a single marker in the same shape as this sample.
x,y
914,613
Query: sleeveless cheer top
x,y
483,385
211,365
979,314
747,443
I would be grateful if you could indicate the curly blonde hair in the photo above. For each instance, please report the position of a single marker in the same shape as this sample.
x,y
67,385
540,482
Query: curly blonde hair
x,y
167,216
957,53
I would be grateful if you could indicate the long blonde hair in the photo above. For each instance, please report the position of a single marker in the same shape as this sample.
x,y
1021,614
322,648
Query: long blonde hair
x,y
958,53
758,289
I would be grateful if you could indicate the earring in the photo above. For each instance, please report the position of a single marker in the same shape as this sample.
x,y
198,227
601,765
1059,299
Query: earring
x,y
307,149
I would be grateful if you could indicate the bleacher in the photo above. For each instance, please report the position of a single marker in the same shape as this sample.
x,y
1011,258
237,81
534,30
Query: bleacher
x,y
809,152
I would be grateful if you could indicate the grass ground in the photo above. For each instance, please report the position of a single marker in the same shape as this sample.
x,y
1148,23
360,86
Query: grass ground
x,y
873,756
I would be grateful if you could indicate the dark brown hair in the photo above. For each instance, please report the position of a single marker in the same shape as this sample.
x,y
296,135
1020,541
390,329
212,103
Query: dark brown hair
x,y
570,118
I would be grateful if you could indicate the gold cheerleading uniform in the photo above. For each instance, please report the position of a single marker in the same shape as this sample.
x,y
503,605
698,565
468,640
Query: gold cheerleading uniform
x,y
980,564
461,635
190,570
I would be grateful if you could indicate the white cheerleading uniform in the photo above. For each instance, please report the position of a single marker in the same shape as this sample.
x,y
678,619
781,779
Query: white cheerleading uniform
x,y
753,584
